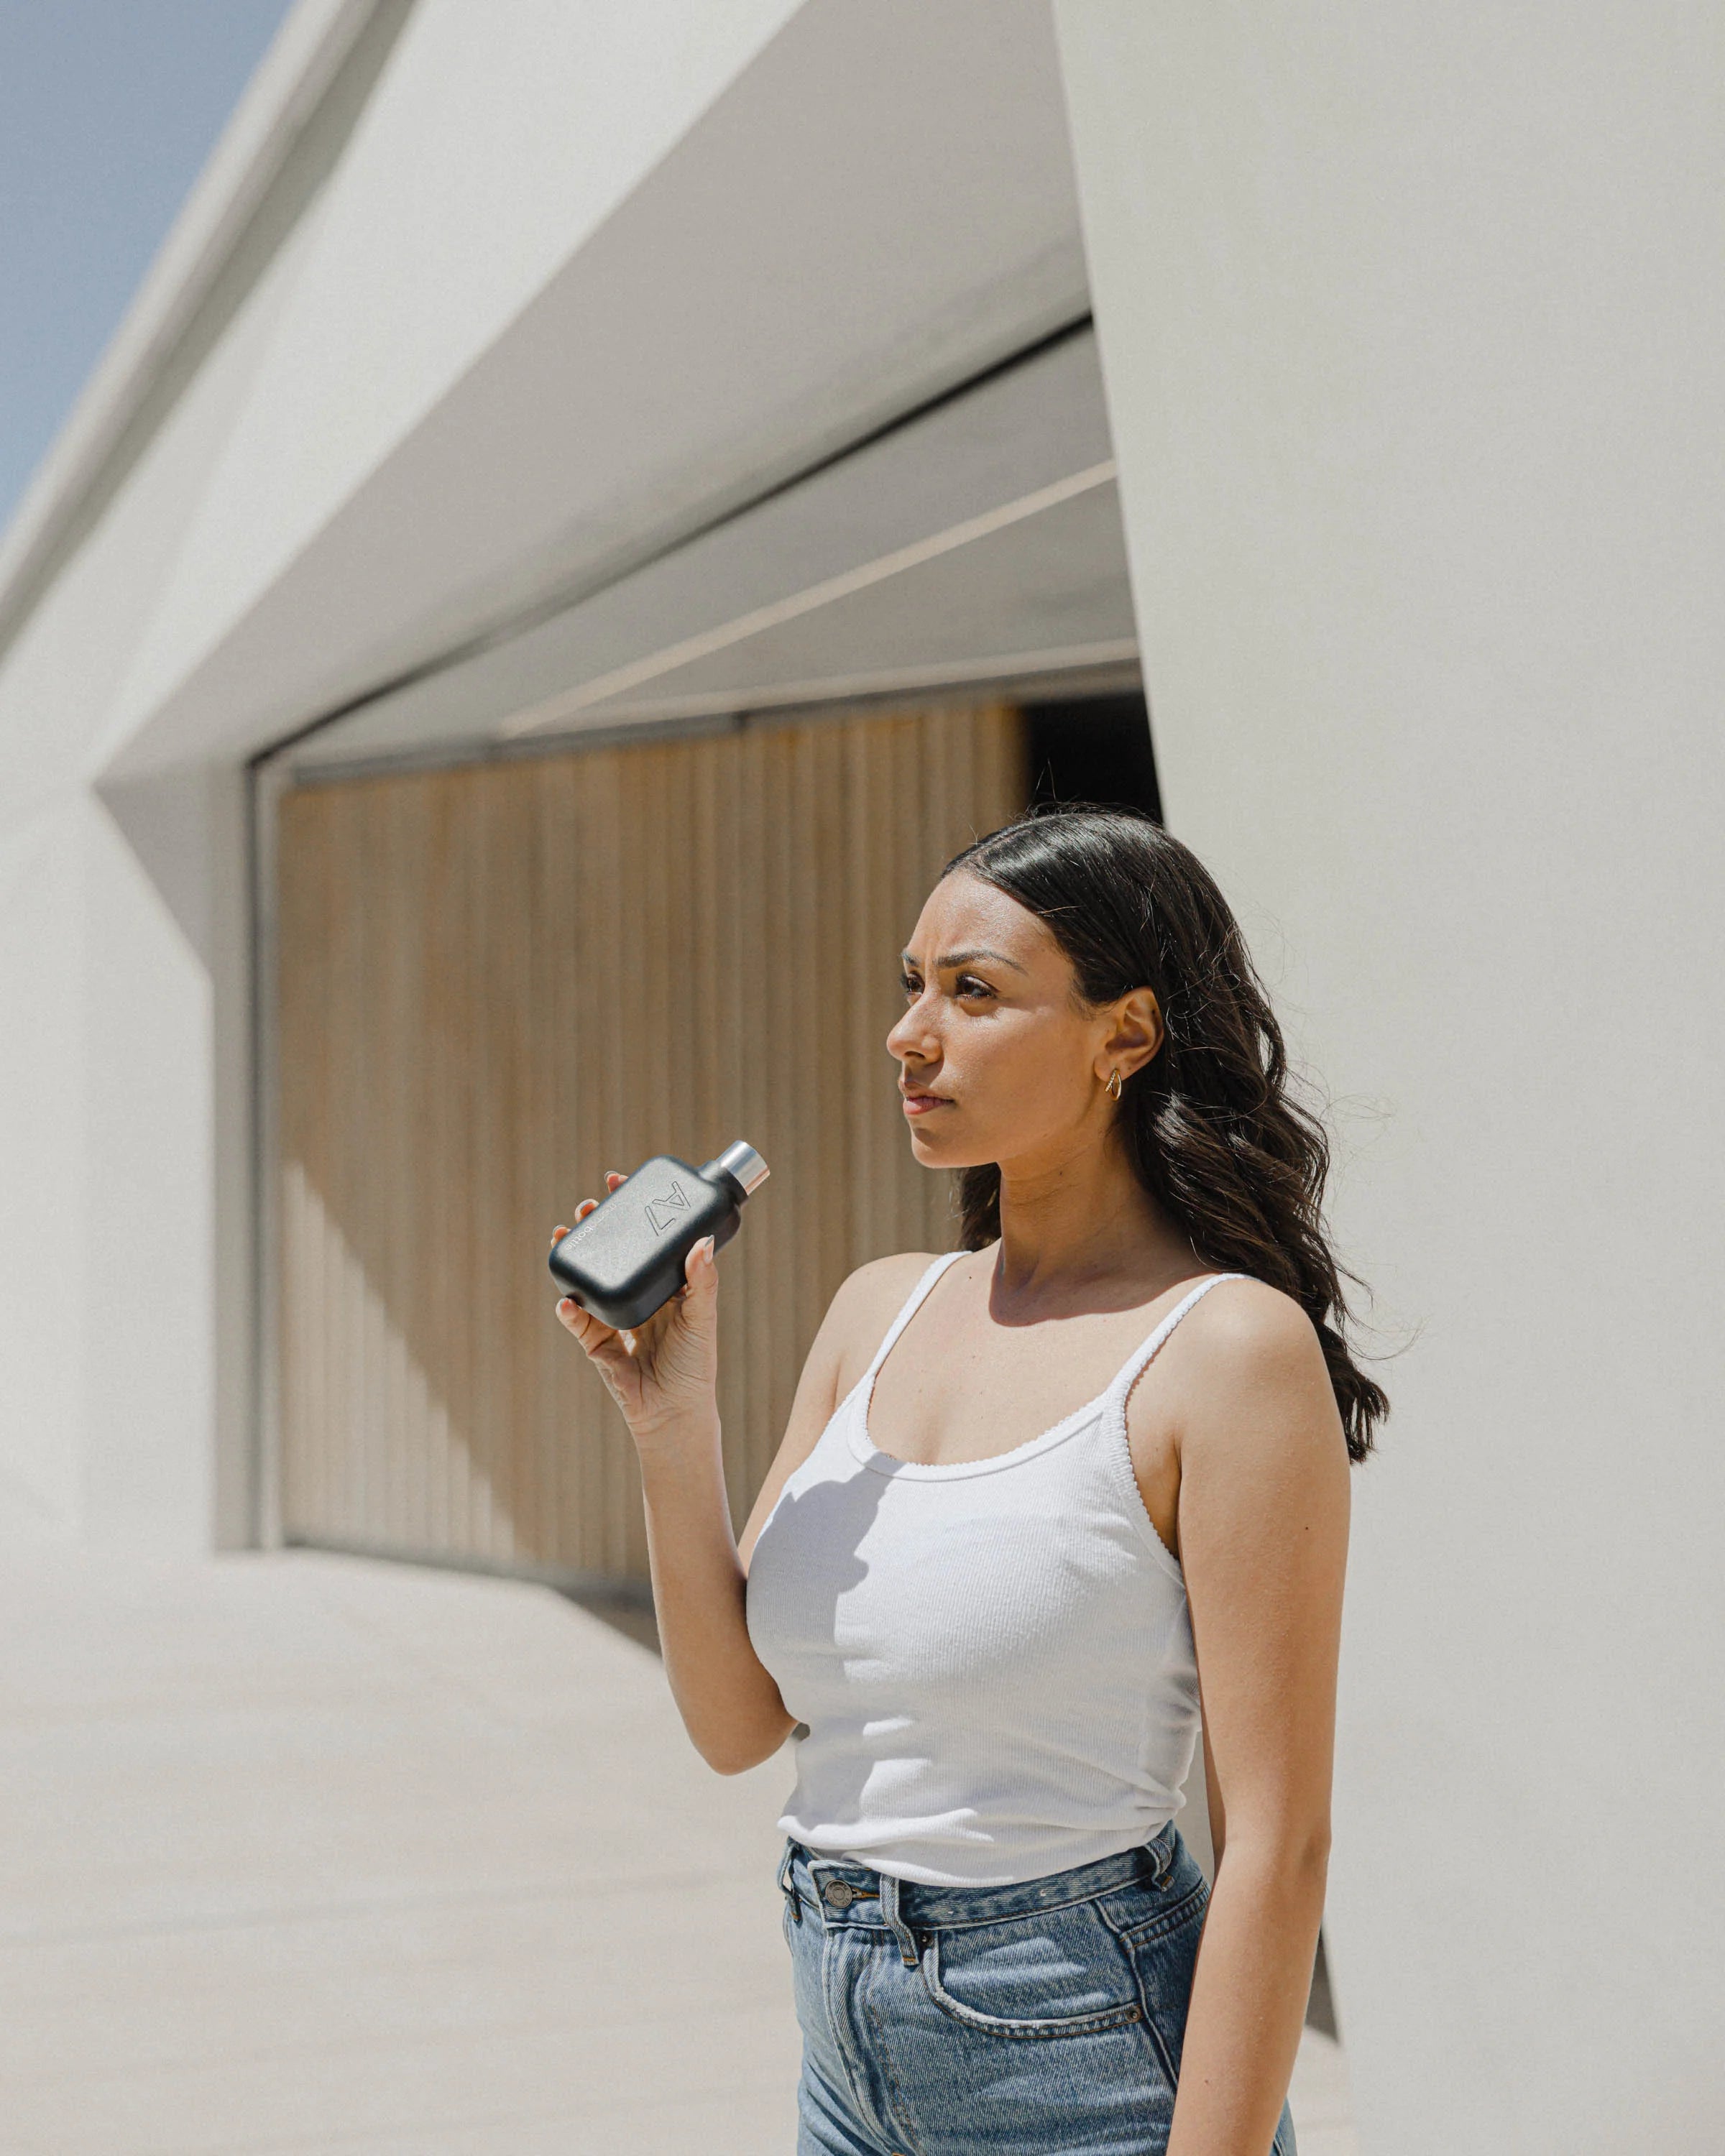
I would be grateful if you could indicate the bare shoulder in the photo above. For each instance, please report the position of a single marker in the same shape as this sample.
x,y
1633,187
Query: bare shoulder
x,y
866,1305
1253,1327
1250,1373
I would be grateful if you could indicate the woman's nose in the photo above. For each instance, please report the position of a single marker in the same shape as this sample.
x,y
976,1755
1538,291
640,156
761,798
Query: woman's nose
x,y
913,1034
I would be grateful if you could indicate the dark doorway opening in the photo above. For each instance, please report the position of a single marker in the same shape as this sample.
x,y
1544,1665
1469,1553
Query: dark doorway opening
x,y
1094,748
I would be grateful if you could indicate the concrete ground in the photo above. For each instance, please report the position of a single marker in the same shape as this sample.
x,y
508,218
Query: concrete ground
x,y
307,1854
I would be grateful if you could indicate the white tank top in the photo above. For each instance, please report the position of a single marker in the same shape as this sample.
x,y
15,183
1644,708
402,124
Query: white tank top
x,y
992,1658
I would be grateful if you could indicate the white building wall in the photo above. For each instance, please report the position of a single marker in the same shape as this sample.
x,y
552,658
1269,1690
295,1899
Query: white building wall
x,y
106,1031
145,1311
1412,323
41,1087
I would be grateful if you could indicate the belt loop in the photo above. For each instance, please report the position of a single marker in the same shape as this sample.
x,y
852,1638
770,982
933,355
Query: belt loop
x,y
900,1930
788,1886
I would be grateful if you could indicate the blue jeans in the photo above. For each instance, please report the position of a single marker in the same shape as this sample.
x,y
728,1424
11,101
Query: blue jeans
x,y
1014,2020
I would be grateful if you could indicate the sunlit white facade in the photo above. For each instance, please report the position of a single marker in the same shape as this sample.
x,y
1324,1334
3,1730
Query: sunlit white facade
x,y
1404,374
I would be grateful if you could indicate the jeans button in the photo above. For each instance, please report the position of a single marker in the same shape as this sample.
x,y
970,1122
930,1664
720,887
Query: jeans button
x,y
839,1892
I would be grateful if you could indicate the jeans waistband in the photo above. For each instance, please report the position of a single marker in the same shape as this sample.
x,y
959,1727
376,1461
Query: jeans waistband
x,y
844,1890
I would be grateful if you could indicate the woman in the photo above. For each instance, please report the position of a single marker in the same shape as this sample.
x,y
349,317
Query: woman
x,y
1036,1496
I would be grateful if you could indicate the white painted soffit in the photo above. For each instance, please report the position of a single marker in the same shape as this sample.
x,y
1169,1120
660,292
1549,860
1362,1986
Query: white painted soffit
x,y
978,542
1030,588
878,205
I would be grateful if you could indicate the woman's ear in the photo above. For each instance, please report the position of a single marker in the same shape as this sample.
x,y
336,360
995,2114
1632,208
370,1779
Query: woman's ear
x,y
1137,1033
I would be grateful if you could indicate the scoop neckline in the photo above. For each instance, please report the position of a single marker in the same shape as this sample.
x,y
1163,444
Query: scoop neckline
x,y
863,1448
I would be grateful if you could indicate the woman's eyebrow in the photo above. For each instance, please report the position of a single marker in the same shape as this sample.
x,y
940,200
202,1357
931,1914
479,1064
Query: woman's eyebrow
x,y
950,958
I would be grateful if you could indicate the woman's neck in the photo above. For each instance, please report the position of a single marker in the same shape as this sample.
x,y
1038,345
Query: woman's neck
x,y
1083,1224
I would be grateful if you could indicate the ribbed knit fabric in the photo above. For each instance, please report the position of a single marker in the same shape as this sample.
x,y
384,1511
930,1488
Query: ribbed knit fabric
x,y
993,1658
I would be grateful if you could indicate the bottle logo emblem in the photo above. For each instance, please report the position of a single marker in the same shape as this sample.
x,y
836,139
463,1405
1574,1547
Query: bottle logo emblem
x,y
663,1210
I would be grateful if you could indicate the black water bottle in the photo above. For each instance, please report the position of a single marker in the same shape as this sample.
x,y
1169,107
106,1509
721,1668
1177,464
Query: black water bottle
x,y
625,1259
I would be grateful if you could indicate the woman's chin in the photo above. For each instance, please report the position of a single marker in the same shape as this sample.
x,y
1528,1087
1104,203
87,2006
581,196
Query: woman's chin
x,y
937,1148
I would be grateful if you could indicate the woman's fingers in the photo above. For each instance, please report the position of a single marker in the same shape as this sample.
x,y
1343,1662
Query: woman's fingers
x,y
613,1180
587,1205
593,1332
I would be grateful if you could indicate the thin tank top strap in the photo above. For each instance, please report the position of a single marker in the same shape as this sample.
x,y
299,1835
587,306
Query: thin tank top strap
x,y
913,1302
1134,1368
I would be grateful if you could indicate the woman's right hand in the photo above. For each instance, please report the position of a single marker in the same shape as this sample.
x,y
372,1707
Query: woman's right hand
x,y
663,1375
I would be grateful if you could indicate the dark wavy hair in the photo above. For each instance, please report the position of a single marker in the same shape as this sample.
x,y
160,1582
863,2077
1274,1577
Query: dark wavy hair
x,y
1209,1123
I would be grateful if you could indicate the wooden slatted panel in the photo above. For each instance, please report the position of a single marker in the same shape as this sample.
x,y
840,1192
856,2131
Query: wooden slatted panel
x,y
496,982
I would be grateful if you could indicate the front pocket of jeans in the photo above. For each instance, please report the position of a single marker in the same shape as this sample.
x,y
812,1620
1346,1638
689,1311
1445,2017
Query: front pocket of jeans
x,y
1012,1980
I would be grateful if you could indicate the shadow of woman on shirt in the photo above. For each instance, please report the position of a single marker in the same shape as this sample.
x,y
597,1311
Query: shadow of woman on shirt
x,y
808,1557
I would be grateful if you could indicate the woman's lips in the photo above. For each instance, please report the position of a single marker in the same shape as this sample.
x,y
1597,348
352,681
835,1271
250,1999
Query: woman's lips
x,y
920,1104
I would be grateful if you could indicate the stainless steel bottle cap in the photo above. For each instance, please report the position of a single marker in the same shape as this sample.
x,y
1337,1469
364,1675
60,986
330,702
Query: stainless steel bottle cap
x,y
745,1164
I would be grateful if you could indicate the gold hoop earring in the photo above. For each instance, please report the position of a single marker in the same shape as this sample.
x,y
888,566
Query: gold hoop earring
x,y
1112,1087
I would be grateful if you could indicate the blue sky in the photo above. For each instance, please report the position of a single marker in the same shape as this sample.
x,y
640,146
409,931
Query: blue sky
x,y
108,109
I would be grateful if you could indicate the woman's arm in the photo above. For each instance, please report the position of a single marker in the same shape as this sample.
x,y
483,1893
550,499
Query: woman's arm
x,y
1263,1532
664,1377
730,1705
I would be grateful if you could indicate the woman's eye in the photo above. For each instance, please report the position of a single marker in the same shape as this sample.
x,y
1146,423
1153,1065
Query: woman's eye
x,y
966,986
